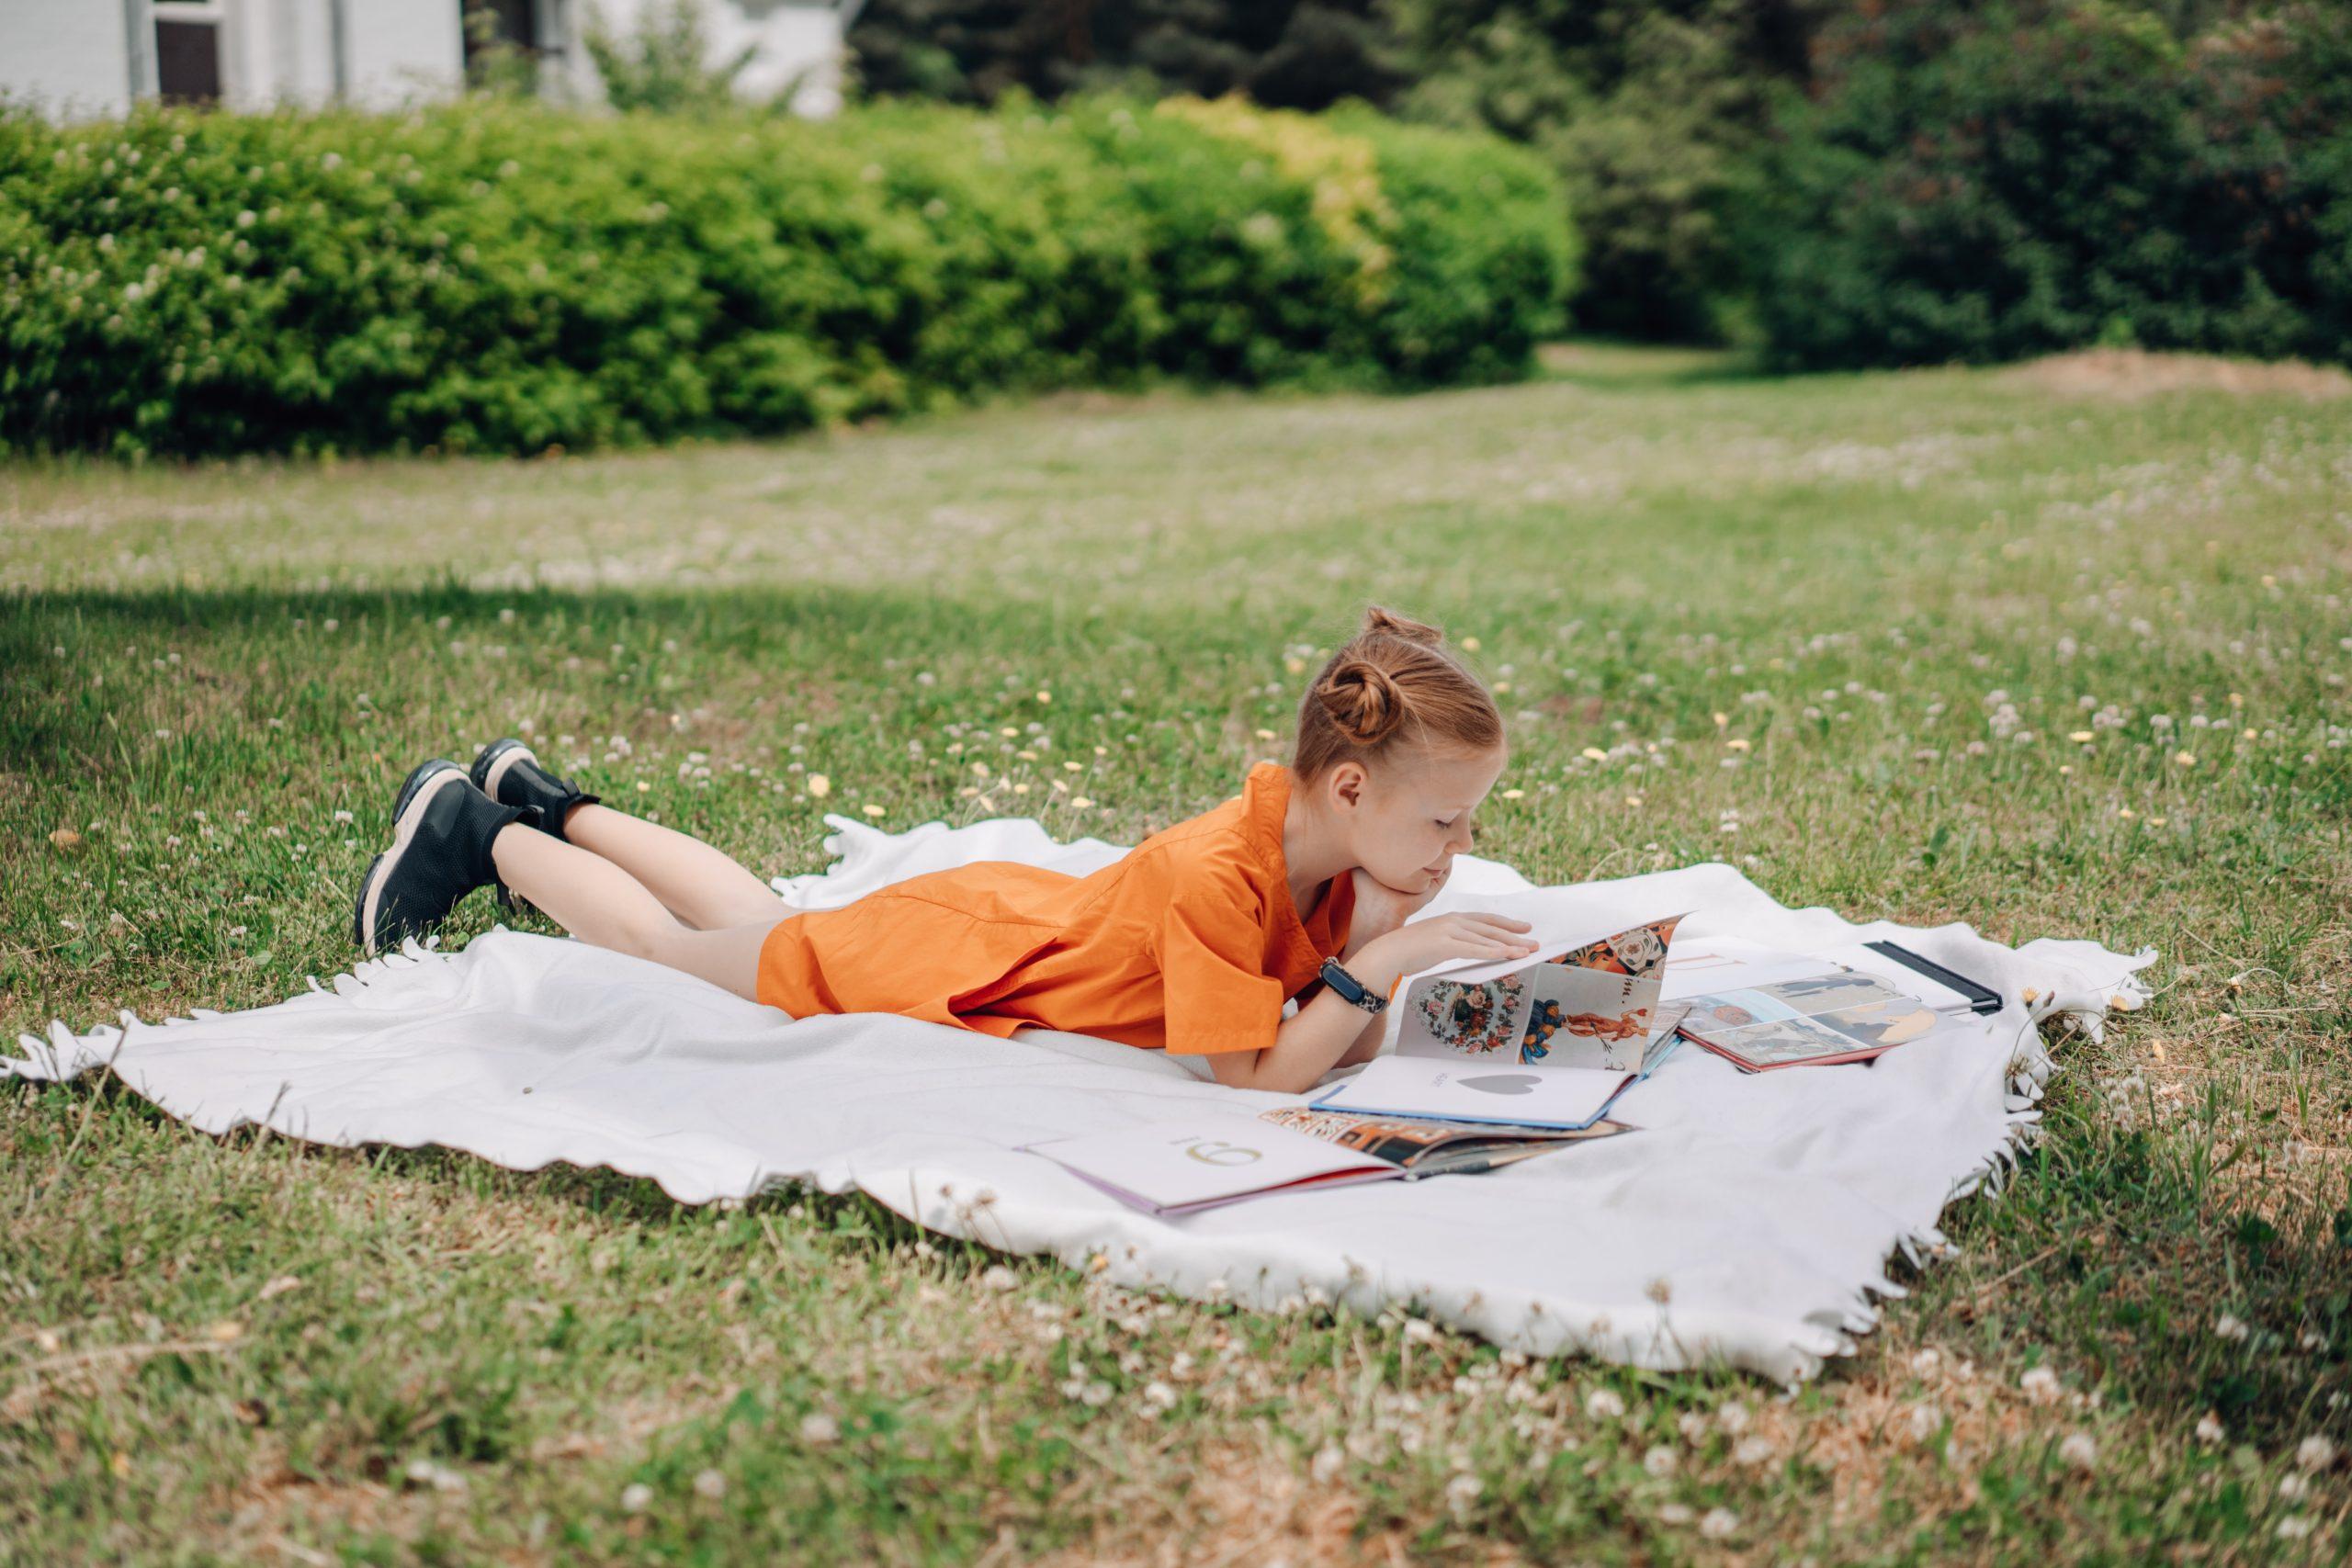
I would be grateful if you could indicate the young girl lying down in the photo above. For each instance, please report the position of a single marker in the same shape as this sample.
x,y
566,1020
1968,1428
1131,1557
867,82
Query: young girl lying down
x,y
1299,886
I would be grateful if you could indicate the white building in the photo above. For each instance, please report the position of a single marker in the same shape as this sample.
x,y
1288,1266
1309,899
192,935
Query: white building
x,y
84,59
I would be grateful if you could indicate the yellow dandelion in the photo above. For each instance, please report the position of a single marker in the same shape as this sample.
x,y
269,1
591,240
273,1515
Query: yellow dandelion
x,y
1026,756
1101,751
1022,788
1633,800
1010,730
2065,768
871,809
1722,720
1596,753
2156,822
2081,735
1736,743
980,770
2126,813
1265,734
1469,645
2249,733
1072,767
819,785
2186,758
1045,696
969,791
1295,666
1513,794
1081,802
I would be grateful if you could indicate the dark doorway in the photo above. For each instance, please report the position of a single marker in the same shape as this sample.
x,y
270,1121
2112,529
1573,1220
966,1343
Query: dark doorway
x,y
499,30
187,60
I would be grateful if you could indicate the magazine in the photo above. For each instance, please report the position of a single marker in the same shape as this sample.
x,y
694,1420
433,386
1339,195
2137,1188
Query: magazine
x,y
1762,1009
1548,1042
1212,1157
1426,1147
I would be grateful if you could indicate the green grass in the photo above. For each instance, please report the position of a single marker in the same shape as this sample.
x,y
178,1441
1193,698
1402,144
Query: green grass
x,y
1762,620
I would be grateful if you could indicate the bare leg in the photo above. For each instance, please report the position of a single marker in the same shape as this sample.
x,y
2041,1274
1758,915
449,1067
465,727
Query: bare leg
x,y
703,886
603,905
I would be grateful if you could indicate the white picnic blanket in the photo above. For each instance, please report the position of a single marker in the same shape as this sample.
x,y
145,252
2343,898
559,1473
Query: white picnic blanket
x,y
1747,1221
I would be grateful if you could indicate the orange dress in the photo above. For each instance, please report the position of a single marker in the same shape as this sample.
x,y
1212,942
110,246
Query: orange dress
x,y
1190,943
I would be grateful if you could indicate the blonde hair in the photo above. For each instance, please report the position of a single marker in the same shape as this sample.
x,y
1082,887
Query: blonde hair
x,y
1394,687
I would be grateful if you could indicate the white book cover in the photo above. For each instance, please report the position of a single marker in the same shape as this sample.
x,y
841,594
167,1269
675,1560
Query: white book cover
x,y
1453,1090
1196,1162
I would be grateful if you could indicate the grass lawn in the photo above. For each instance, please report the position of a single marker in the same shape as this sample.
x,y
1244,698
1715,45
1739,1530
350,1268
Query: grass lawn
x,y
1999,646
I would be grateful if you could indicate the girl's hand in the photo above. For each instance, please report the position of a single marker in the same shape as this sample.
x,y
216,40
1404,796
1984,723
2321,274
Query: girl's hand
x,y
1379,908
1411,948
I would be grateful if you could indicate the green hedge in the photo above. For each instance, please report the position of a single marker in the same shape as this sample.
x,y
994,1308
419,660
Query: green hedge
x,y
502,278
2041,175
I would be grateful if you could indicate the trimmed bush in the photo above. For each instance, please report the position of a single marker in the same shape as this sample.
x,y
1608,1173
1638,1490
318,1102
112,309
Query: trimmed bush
x,y
504,277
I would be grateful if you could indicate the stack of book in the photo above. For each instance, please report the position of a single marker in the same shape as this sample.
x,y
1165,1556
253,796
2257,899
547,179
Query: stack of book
x,y
1501,1061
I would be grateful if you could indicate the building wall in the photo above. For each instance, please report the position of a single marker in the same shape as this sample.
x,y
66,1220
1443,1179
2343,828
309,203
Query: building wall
x,y
84,59
71,56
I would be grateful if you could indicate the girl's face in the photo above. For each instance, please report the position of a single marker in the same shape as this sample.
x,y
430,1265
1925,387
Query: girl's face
x,y
1406,821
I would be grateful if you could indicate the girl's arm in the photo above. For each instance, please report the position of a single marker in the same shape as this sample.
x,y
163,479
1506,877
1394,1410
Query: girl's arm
x,y
1312,1041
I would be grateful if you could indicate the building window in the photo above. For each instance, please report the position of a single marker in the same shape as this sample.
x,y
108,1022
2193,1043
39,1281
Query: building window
x,y
499,32
188,50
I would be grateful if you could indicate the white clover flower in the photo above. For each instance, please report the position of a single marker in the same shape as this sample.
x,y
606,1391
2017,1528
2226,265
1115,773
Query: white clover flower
x,y
2229,1326
2315,1454
1659,1461
1733,1418
818,1428
710,1483
2040,1385
1752,1450
1604,1404
1924,1419
1718,1524
2079,1451
2209,1429
1692,1425
635,1496
1463,1490
1330,1459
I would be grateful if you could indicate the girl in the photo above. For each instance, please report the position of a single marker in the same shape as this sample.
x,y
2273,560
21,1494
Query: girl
x,y
1299,886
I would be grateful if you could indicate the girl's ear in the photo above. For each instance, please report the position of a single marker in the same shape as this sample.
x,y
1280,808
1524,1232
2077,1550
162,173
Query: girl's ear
x,y
1348,780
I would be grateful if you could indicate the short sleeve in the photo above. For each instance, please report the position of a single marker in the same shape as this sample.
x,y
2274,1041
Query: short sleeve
x,y
1212,961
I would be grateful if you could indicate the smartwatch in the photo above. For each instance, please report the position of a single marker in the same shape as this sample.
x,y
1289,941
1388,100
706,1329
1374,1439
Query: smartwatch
x,y
1348,985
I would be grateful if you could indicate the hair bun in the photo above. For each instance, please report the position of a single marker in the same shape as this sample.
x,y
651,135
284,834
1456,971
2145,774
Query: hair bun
x,y
1362,701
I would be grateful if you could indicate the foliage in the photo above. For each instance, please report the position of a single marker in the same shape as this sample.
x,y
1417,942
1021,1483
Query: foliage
x,y
497,276
661,62
1306,55
2044,176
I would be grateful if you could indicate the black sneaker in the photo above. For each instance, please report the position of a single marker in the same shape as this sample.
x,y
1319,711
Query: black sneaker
x,y
442,829
510,772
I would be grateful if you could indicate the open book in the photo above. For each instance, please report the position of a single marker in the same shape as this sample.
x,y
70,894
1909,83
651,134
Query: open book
x,y
1548,1042
1215,1156
1759,1009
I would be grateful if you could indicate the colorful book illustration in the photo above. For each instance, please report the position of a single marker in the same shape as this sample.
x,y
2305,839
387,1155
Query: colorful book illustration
x,y
1759,1009
1549,1042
